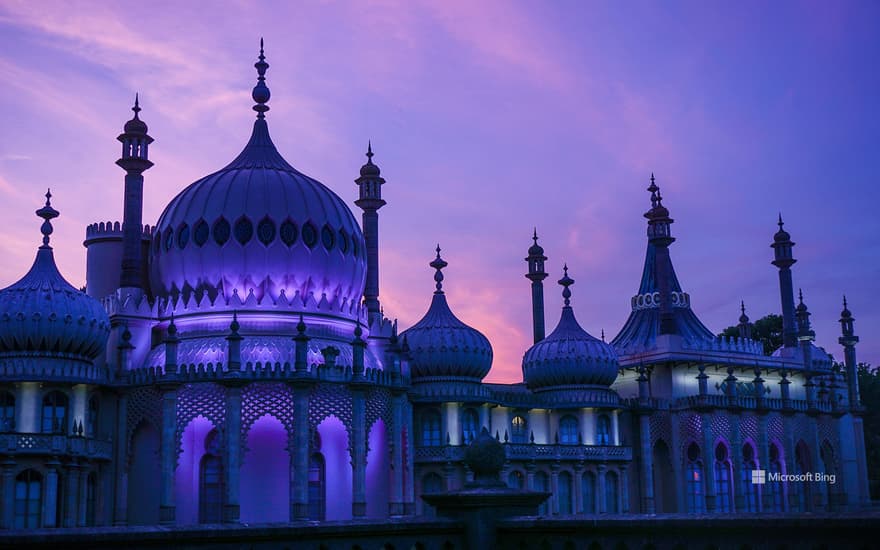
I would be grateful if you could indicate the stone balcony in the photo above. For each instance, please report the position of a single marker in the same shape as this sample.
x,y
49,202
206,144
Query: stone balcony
x,y
531,451
56,445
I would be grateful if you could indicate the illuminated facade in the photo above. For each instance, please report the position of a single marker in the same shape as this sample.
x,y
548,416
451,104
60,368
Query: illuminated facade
x,y
233,364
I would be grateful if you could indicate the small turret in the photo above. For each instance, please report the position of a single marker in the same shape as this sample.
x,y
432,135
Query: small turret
x,y
849,340
370,201
783,259
744,326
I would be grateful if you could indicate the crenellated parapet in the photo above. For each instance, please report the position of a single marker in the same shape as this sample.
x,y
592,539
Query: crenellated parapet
x,y
108,230
254,372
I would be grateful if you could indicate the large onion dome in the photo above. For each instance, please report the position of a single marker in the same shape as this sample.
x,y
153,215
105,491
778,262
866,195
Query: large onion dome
x,y
258,225
43,317
441,346
569,356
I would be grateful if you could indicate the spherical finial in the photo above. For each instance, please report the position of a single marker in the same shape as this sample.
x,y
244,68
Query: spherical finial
x,y
369,151
358,331
438,264
234,325
47,213
846,313
485,457
137,107
136,125
566,282
369,169
301,326
743,318
261,92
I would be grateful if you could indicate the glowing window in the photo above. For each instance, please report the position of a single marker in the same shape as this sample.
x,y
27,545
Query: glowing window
x,y
55,413
28,499
431,429
519,429
7,412
568,430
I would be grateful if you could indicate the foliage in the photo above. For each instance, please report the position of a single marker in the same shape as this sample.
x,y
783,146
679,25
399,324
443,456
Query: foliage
x,y
767,330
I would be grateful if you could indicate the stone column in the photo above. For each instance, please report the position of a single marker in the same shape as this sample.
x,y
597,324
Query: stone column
x,y
359,452
600,488
395,505
739,489
50,494
624,490
409,494
646,461
168,455
708,463
485,418
299,454
120,477
71,509
232,469
817,489
677,463
789,456
554,488
578,507
83,497
764,457
8,491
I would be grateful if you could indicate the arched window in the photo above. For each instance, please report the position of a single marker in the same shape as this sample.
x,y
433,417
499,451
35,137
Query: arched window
x,y
751,490
611,492
7,412
516,480
723,492
568,430
603,430
55,413
211,481
694,480
519,429
588,492
802,466
28,499
542,484
563,493
92,418
317,487
776,488
431,428
470,424
91,498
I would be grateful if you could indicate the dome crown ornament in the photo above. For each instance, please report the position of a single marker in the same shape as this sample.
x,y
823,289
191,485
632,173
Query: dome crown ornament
x,y
261,93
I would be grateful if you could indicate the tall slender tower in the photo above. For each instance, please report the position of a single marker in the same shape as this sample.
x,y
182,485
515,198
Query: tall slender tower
x,y
370,201
660,236
849,340
536,274
783,260
135,160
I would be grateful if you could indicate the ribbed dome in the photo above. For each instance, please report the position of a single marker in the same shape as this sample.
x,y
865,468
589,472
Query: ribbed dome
x,y
569,356
258,225
43,316
442,346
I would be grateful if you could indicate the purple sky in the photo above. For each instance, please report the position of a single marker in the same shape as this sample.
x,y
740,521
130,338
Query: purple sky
x,y
487,118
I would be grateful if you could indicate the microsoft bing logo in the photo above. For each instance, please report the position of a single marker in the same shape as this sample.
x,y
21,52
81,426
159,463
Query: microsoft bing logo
x,y
758,477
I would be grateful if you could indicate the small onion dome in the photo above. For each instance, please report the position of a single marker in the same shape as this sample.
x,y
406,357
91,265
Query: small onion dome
x,y
782,235
43,316
136,125
441,346
536,249
569,356
370,169
846,313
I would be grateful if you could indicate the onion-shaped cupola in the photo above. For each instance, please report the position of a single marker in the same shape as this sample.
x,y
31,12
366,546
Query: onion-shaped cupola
x,y
569,356
259,226
441,346
44,318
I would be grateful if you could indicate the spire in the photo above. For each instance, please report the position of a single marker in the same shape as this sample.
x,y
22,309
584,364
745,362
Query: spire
x,y
783,260
805,331
136,126
370,170
261,93
438,263
566,282
370,182
48,214
745,327
742,307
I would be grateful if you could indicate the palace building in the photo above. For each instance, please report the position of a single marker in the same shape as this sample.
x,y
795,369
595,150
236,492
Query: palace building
x,y
232,364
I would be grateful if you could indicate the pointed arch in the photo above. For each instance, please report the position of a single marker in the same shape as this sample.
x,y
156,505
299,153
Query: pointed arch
x,y
265,473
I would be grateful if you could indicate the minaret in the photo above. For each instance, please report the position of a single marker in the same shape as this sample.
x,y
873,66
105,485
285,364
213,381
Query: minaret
x,y
537,275
370,201
849,340
805,334
134,161
744,326
660,236
783,260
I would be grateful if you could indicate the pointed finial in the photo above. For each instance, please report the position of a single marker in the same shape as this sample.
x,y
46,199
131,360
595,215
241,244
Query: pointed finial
x,y
743,318
234,325
172,328
566,282
438,264
369,151
742,306
261,92
654,190
603,334
47,213
535,235
137,107
779,223
301,325
801,295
